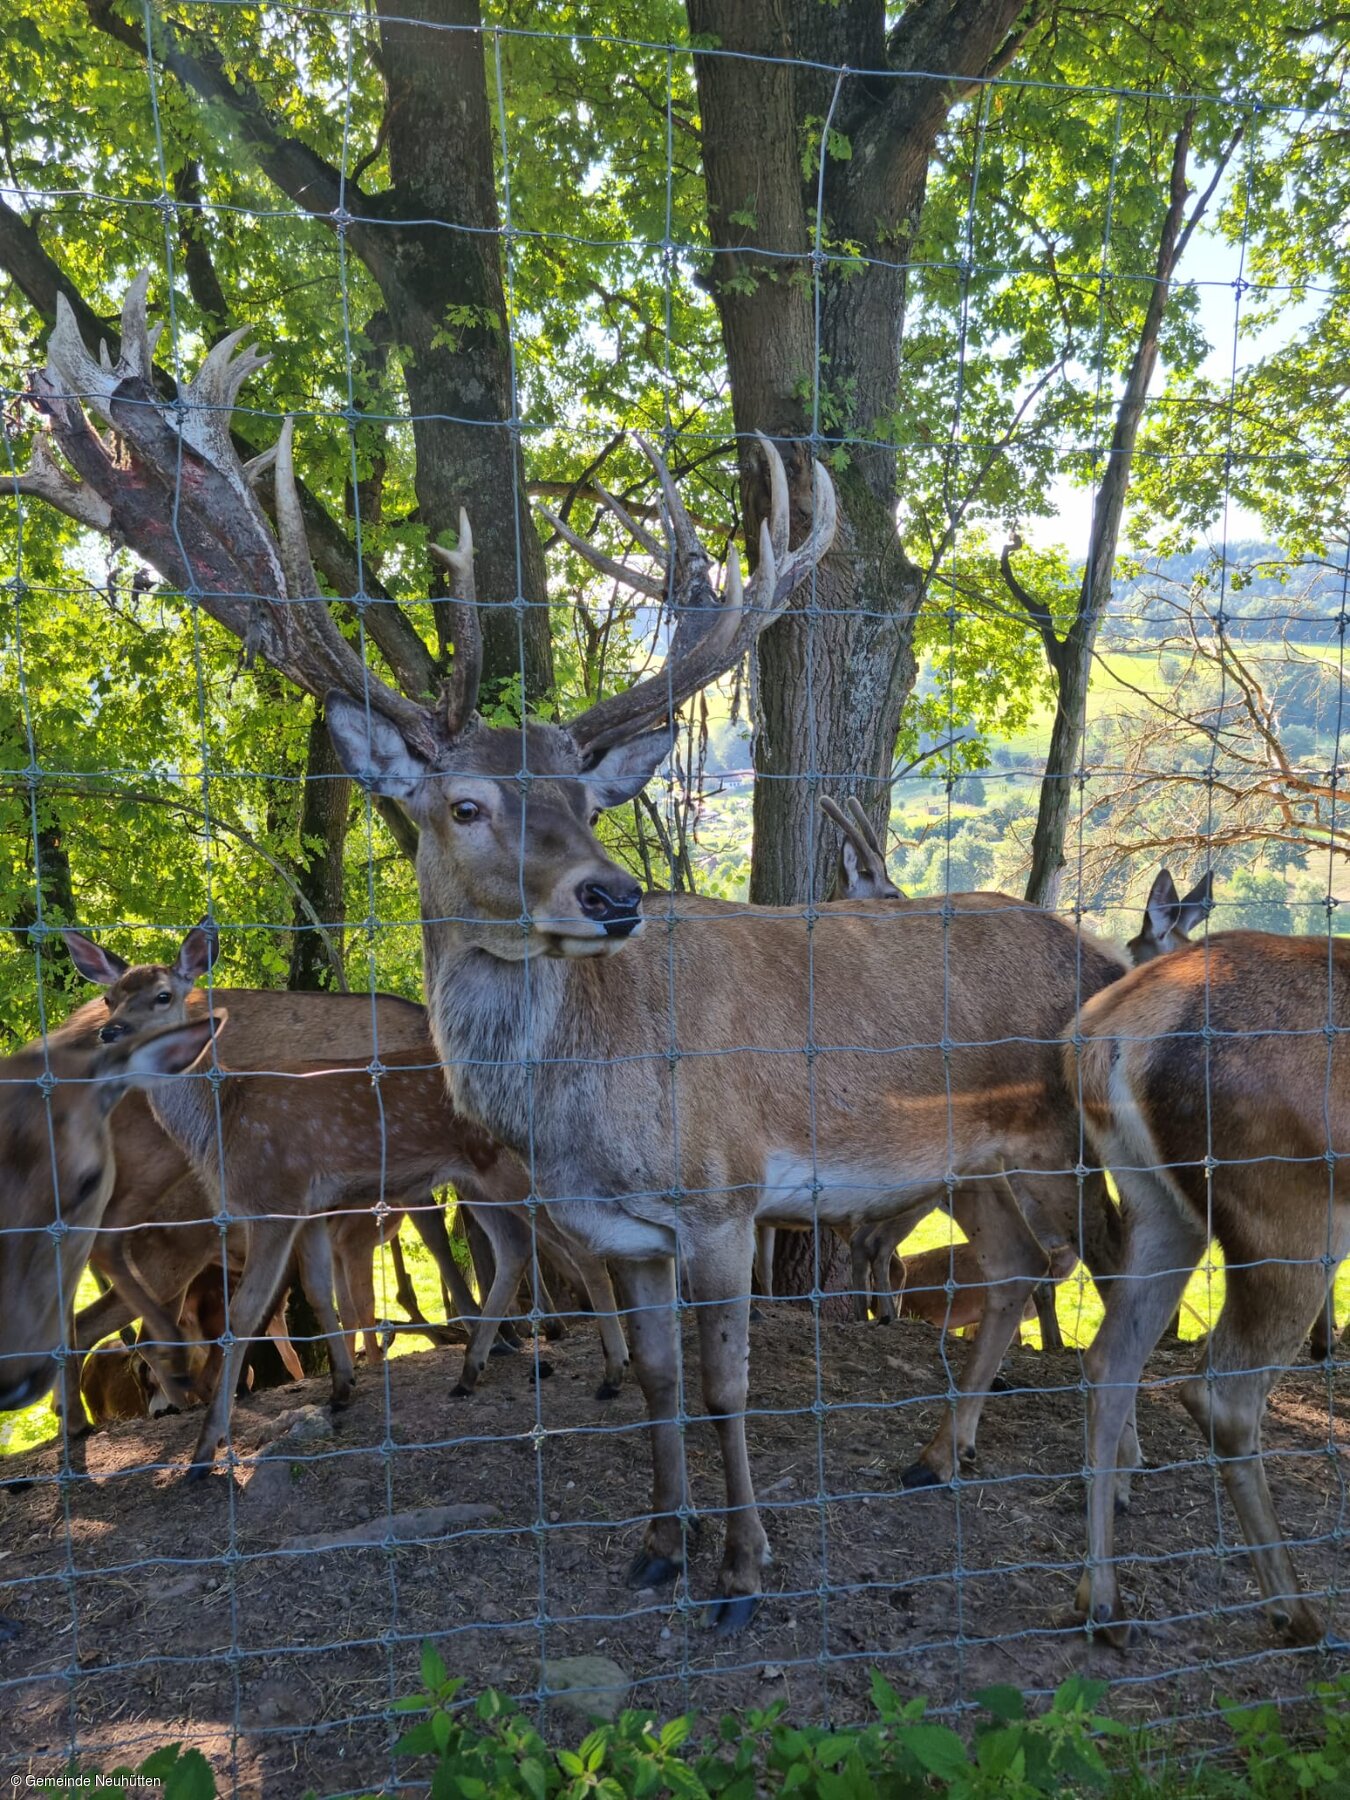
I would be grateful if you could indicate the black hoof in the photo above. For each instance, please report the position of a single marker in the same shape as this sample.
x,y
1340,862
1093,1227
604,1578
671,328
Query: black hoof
x,y
647,1570
460,1391
195,1473
729,1617
1002,1385
1121,1506
502,1348
757,1315
15,1487
9,1628
609,1390
919,1475
542,1369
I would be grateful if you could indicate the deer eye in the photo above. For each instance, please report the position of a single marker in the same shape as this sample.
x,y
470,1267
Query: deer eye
x,y
594,818
463,812
163,998
88,1188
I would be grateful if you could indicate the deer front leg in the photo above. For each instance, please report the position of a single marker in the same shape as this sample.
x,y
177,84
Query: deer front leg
x,y
647,1290
428,1217
605,1306
1010,1261
510,1240
314,1255
269,1250
719,1275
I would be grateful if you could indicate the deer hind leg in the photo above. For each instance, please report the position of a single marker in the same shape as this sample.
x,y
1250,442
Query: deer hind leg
x,y
1267,1309
347,1283
1322,1344
510,1239
647,1290
428,1217
885,1273
1162,1246
860,1274
766,1242
269,1250
314,1254
720,1277
1011,1261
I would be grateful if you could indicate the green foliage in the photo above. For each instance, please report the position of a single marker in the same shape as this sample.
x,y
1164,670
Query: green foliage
x,y
489,1750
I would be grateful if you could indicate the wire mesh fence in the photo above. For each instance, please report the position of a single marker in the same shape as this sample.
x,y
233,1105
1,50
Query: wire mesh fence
x,y
681,1137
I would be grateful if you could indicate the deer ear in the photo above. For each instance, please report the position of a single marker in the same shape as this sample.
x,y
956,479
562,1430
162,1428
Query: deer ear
x,y
371,748
848,869
1194,909
1160,910
93,963
200,949
623,772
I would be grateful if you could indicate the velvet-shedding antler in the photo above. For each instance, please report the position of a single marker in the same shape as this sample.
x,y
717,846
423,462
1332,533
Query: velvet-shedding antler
x,y
176,492
712,631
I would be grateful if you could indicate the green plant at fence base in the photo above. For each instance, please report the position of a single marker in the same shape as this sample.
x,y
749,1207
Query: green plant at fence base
x,y
491,1751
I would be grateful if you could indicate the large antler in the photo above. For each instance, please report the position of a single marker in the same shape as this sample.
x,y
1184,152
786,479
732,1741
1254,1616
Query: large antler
x,y
712,631
173,488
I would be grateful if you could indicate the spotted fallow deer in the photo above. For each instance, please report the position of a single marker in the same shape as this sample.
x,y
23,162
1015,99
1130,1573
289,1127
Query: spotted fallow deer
x,y
1215,1085
827,1066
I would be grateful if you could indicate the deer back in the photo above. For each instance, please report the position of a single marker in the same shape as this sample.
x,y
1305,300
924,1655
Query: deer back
x,y
1230,1049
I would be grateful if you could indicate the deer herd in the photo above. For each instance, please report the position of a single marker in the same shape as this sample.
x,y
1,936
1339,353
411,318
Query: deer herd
x,y
646,1087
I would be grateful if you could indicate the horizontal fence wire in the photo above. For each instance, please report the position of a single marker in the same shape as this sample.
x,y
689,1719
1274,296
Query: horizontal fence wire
x,y
497,1506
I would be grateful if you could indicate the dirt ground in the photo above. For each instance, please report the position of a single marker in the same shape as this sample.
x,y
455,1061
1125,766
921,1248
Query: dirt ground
x,y
152,1612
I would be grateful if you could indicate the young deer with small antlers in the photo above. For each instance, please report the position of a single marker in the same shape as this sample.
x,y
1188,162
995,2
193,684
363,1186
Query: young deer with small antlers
x,y
1215,1086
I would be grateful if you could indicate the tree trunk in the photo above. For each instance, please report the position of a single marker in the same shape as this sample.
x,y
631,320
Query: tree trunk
x,y
1070,657
813,350
323,843
794,1271
447,305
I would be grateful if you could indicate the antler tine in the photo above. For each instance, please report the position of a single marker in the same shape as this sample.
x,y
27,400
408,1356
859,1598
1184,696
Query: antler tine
x,y
778,497
459,695
681,525
138,344
639,533
301,581
45,479
711,637
620,572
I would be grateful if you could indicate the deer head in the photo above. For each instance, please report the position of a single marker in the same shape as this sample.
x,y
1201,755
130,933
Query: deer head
x,y
148,994
862,873
1168,919
58,1166
508,848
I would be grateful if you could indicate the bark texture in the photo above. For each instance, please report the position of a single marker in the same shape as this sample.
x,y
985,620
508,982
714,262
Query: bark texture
x,y
813,348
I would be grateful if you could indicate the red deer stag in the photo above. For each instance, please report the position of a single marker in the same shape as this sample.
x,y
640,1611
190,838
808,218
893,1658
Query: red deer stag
x,y
1215,1086
820,1066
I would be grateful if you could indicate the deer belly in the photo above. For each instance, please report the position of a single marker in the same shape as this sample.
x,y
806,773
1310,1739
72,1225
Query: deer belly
x,y
797,1191
607,1228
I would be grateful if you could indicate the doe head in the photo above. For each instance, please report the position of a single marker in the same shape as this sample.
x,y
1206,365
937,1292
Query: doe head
x,y
1169,919
144,995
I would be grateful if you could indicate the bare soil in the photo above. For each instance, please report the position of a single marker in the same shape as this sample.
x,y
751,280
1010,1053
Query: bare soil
x,y
153,1612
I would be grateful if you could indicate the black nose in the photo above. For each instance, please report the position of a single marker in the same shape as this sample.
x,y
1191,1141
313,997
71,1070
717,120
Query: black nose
x,y
615,903
111,1033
